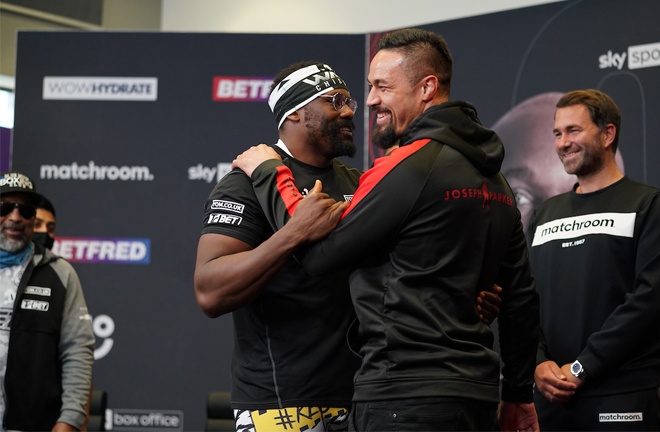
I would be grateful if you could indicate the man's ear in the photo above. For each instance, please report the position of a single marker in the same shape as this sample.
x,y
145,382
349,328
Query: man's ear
x,y
294,116
429,87
609,133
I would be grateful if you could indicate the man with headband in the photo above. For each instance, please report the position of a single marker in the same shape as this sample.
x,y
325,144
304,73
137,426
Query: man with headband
x,y
292,368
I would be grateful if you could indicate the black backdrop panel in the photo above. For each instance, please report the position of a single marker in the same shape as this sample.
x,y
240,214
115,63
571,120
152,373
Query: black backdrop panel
x,y
165,354
505,58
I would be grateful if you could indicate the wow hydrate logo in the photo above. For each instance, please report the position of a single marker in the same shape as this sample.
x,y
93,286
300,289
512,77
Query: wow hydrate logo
x,y
241,89
638,57
104,250
100,88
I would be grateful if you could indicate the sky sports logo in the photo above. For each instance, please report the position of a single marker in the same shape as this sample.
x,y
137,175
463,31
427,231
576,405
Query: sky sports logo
x,y
638,56
100,88
241,89
104,250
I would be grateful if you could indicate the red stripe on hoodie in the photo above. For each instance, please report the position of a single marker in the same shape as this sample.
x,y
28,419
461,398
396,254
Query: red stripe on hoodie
x,y
287,188
382,166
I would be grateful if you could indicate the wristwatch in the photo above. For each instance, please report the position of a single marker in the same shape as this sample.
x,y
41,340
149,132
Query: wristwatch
x,y
578,370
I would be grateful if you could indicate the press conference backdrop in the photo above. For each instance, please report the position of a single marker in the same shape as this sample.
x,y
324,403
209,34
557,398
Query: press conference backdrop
x,y
128,132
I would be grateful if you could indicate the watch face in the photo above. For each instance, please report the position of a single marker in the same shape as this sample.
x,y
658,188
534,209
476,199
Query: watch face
x,y
576,368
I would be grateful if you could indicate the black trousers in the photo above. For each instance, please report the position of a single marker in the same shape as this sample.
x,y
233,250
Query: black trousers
x,y
424,414
635,411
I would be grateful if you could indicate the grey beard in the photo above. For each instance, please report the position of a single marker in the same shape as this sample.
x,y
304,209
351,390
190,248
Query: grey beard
x,y
11,246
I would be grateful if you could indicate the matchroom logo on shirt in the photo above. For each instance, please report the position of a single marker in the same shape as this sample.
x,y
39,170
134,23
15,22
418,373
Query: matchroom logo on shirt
x,y
615,224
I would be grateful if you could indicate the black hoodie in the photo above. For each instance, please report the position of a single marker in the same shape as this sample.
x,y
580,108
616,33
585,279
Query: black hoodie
x,y
429,227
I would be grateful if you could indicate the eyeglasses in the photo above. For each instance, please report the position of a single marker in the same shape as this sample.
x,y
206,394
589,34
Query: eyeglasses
x,y
26,210
339,101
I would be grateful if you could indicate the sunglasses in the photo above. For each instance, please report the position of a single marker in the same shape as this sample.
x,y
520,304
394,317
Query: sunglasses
x,y
339,101
26,210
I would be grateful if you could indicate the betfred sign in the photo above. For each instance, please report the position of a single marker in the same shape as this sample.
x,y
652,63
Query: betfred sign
x,y
241,89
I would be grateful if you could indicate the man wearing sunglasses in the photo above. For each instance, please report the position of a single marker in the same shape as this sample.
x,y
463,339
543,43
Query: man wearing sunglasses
x,y
46,336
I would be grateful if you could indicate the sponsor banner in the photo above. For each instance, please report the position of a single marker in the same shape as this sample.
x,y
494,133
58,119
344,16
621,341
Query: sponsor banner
x,y
643,56
638,56
209,174
104,250
616,224
93,171
100,88
241,89
612,60
119,419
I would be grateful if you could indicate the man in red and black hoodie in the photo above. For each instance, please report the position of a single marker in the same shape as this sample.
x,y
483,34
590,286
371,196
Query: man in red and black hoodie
x,y
429,227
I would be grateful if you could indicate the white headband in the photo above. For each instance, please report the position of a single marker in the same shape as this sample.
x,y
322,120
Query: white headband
x,y
300,88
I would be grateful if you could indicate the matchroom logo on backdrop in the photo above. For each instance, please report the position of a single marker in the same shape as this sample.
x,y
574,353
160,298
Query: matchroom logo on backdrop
x,y
94,171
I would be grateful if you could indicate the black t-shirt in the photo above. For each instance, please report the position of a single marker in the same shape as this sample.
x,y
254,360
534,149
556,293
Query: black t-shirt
x,y
290,345
596,260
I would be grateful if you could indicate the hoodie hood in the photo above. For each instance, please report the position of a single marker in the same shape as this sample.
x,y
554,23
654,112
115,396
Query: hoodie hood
x,y
43,256
456,124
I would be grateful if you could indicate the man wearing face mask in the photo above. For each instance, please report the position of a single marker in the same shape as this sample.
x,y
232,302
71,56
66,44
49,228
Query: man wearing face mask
x,y
46,337
45,223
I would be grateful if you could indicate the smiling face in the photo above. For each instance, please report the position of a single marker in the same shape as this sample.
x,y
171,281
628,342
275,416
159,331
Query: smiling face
x,y
395,100
329,131
582,147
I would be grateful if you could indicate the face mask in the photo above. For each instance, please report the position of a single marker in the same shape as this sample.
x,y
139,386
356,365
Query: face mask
x,y
43,239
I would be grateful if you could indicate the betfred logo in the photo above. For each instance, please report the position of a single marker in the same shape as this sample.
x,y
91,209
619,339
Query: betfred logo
x,y
241,89
104,250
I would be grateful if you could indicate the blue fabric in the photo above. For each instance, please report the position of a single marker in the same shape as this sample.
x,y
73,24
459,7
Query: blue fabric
x,y
10,259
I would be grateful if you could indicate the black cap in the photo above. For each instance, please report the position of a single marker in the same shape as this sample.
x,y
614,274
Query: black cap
x,y
15,182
